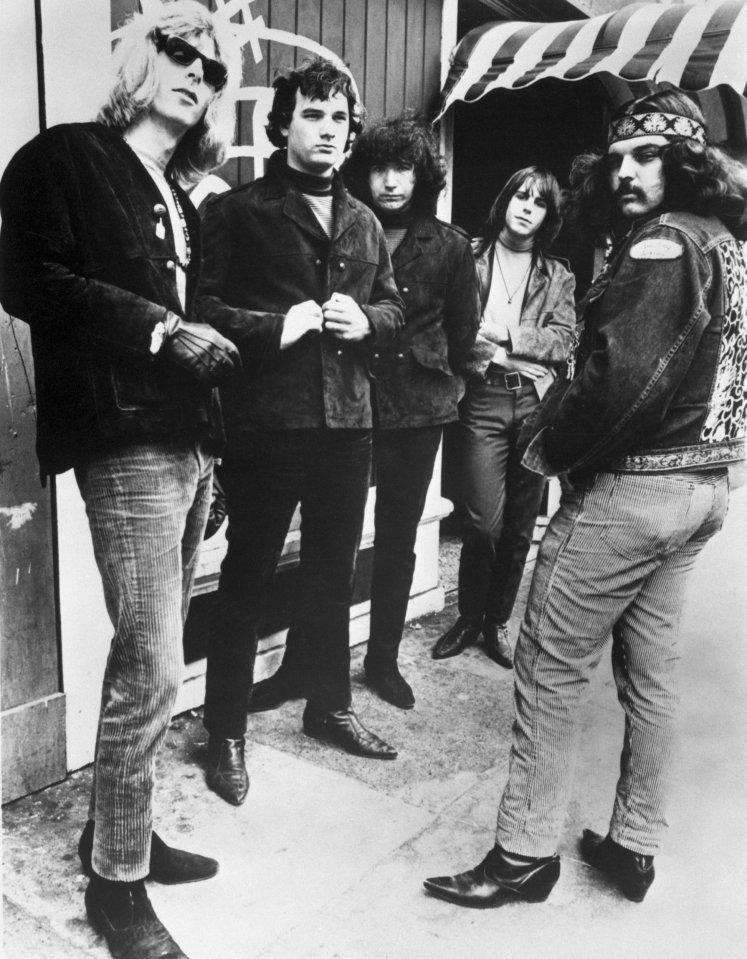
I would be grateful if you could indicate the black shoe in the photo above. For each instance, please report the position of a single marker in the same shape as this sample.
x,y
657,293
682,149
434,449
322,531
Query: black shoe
x,y
631,872
226,770
132,929
455,640
500,878
167,865
342,728
388,683
497,645
279,688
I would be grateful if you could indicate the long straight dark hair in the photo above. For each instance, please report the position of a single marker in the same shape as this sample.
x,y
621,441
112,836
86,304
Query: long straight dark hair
x,y
548,188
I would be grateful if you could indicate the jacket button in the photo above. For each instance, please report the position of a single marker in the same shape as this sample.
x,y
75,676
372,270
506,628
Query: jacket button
x,y
159,210
405,289
170,266
342,266
318,262
376,356
339,352
400,356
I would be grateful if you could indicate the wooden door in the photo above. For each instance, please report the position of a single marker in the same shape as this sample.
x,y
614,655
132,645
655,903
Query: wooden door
x,y
33,704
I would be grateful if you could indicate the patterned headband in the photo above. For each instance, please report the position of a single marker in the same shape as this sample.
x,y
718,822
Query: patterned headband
x,y
656,124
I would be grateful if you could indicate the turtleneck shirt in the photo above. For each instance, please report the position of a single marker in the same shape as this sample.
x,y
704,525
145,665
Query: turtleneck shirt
x,y
317,191
396,223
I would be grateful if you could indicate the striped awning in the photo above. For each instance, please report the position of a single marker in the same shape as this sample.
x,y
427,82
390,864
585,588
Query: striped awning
x,y
693,46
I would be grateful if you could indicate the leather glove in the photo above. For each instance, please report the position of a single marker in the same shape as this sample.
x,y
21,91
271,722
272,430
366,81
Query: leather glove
x,y
200,350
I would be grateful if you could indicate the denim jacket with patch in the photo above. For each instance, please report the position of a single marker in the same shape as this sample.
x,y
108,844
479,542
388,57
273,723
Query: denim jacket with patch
x,y
661,361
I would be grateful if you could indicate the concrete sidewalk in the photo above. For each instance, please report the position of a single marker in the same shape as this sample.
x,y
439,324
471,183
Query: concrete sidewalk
x,y
326,858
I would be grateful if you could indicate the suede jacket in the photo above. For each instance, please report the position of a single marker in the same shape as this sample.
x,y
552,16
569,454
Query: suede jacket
x,y
414,380
661,362
265,251
547,315
82,264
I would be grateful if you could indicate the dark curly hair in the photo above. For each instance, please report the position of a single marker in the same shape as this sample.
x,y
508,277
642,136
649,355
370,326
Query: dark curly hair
x,y
547,187
404,139
697,179
317,79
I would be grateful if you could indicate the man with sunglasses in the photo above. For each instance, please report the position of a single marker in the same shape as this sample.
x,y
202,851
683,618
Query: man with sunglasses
x,y
644,430
297,274
100,255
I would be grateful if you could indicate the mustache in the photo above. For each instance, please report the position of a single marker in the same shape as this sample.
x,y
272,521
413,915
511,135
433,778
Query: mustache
x,y
626,190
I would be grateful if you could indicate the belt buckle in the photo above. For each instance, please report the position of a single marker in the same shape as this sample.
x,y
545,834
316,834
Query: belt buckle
x,y
512,380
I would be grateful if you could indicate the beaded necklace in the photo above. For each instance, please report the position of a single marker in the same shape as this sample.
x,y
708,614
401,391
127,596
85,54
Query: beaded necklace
x,y
183,263
157,173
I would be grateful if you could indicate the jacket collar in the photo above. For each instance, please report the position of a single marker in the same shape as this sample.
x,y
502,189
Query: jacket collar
x,y
297,209
484,265
416,242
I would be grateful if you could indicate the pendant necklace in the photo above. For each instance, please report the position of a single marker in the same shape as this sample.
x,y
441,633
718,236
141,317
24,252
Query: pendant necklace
x,y
509,294
157,173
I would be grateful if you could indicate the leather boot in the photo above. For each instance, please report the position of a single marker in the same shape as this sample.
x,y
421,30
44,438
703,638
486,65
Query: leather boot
x,y
497,646
226,769
167,865
501,877
122,913
631,872
277,689
387,682
455,640
341,727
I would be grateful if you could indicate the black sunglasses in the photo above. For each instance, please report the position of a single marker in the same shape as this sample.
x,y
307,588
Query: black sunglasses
x,y
184,53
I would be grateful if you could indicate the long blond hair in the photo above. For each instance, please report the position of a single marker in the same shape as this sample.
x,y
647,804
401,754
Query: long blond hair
x,y
135,86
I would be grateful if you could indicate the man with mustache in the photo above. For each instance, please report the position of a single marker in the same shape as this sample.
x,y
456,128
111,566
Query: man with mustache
x,y
644,430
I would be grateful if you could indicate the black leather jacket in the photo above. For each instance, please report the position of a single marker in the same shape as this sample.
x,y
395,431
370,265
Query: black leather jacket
x,y
264,252
81,263
415,382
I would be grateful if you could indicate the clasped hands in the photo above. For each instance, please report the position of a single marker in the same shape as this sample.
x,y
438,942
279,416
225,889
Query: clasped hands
x,y
340,315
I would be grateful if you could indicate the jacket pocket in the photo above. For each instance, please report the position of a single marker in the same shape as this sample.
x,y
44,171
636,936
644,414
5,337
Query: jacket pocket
x,y
431,359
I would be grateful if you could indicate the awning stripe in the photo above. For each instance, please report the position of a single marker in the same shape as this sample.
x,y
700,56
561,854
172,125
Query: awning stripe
x,y
731,66
628,44
691,46
574,45
674,57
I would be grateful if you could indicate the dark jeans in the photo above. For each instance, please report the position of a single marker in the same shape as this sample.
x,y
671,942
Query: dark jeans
x,y
501,498
404,461
328,472
404,465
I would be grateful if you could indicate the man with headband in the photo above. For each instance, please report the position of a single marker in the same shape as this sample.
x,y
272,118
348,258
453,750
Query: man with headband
x,y
643,429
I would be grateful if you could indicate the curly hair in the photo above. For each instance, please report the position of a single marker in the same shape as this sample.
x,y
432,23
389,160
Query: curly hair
x,y
135,86
404,139
317,79
697,179
547,186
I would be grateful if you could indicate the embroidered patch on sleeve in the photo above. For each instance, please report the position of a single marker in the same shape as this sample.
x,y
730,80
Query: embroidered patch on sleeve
x,y
654,249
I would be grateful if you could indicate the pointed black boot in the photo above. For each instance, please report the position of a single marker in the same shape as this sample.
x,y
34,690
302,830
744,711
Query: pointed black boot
x,y
500,878
168,865
631,872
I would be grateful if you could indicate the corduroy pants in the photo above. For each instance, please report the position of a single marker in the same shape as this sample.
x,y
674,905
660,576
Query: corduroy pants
x,y
147,506
614,560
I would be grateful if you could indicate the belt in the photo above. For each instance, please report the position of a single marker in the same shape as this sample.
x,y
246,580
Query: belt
x,y
511,381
